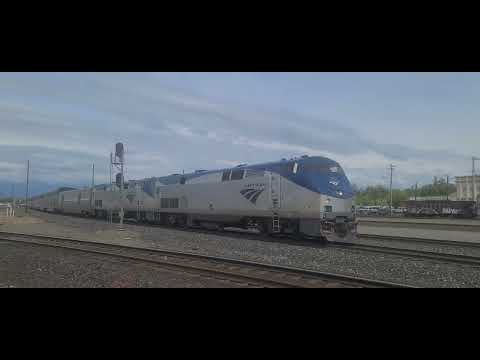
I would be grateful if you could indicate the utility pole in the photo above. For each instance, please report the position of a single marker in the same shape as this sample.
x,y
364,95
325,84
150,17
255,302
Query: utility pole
x,y
111,186
28,183
416,188
13,199
447,187
391,189
473,179
120,160
474,183
111,162
93,186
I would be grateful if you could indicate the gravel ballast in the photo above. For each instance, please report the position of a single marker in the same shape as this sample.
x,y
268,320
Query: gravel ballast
x,y
393,268
33,266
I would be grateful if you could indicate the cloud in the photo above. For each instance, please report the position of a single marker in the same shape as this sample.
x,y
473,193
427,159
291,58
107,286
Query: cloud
x,y
64,123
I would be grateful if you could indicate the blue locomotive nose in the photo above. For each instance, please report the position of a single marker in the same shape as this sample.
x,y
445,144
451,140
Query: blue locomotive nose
x,y
336,186
325,176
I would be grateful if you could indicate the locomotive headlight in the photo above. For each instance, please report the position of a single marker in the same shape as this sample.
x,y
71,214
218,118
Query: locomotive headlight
x,y
340,193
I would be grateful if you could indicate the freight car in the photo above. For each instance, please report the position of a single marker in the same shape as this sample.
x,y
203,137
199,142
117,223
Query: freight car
x,y
440,208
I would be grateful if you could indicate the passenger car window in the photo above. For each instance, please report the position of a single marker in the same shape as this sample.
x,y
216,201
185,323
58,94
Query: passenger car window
x,y
226,175
237,174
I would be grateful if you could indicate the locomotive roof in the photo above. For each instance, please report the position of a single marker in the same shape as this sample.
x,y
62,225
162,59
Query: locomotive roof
x,y
269,166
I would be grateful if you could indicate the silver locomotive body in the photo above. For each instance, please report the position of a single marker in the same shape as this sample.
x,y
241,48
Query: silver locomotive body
x,y
309,196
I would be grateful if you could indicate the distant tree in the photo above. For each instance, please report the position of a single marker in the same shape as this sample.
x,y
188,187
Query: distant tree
x,y
380,195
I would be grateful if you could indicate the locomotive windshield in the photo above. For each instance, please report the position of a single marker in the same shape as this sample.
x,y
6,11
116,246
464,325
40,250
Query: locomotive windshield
x,y
322,168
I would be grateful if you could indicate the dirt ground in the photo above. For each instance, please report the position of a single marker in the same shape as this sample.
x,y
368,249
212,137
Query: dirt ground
x,y
19,220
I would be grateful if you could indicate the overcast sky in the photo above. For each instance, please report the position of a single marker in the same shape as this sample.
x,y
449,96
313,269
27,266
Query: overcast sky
x,y
425,123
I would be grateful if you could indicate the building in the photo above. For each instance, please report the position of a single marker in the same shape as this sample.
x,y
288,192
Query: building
x,y
465,187
7,210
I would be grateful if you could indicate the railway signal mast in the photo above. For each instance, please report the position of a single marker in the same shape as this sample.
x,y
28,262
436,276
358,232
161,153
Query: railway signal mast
x,y
119,161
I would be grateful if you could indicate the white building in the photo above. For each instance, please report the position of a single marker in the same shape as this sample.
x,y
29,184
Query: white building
x,y
465,187
7,210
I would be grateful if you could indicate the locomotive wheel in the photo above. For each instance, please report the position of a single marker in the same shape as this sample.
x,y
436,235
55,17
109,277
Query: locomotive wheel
x,y
323,241
341,229
263,228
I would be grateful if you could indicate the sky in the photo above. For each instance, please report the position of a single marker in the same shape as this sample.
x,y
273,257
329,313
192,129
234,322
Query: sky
x,y
426,124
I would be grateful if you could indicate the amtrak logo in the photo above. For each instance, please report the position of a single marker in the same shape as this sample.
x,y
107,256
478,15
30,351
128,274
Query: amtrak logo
x,y
252,194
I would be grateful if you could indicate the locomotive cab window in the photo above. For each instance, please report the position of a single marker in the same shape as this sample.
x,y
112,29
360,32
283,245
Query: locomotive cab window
x,y
293,167
226,175
237,174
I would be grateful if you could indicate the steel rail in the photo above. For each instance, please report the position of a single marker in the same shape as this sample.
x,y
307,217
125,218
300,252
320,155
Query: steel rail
x,y
433,225
462,244
253,272
410,253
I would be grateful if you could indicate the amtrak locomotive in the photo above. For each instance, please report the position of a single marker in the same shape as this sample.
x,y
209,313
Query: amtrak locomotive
x,y
308,196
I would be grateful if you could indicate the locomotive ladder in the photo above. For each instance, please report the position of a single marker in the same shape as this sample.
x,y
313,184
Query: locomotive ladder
x,y
275,196
276,223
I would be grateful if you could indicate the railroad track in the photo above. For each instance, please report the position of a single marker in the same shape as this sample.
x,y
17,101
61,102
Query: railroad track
x,y
253,273
410,253
422,225
467,260
462,244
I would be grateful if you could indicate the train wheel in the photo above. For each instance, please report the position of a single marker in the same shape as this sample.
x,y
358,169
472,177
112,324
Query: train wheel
x,y
263,228
341,230
322,240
